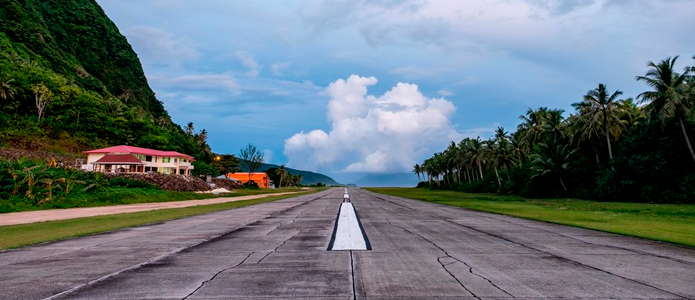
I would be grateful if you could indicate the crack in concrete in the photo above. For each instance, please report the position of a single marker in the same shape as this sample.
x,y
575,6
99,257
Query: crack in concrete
x,y
216,274
545,252
567,259
171,253
557,233
299,231
278,247
470,269
276,227
590,243
456,278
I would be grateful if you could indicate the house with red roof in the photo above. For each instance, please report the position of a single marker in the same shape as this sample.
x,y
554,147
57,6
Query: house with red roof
x,y
131,159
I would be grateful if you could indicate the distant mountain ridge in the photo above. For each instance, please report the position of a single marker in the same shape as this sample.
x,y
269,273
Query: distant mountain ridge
x,y
388,180
308,178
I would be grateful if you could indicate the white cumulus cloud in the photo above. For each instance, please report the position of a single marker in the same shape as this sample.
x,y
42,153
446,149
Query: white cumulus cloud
x,y
370,134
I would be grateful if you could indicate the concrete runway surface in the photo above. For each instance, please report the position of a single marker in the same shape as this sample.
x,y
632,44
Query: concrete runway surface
x,y
419,250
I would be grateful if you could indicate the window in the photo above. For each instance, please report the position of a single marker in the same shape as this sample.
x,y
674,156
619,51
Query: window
x,y
148,158
140,157
166,159
176,159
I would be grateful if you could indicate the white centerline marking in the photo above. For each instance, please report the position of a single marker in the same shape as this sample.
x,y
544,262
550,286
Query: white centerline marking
x,y
348,234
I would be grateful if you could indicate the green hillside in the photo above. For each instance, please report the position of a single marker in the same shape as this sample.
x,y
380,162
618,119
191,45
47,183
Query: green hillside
x,y
308,178
69,54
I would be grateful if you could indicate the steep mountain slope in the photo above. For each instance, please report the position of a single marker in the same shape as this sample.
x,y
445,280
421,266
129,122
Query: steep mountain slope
x,y
95,90
77,40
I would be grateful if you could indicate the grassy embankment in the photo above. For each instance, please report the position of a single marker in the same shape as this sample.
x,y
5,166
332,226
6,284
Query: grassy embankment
x,y
120,196
14,236
673,223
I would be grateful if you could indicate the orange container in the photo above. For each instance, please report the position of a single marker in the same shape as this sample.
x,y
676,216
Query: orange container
x,y
260,178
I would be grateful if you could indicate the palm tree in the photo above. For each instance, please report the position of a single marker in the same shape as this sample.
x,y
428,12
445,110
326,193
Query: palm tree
x,y
670,97
502,153
6,88
416,170
552,158
531,125
282,172
476,150
599,111
631,113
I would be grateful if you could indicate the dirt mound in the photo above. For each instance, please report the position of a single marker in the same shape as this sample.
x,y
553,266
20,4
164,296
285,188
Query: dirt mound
x,y
226,183
179,183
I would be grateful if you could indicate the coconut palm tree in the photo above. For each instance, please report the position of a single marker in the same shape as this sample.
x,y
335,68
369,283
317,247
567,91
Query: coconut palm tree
x,y
531,126
671,97
282,170
7,90
417,170
552,158
631,113
502,153
476,151
600,114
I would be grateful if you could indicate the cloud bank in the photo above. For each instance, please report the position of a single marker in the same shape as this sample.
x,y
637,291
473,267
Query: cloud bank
x,y
370,134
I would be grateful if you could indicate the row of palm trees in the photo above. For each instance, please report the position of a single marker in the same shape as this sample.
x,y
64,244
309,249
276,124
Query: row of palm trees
x,y
548,143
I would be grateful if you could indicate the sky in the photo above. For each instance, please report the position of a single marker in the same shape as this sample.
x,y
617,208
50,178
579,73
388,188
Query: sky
x,y
356,87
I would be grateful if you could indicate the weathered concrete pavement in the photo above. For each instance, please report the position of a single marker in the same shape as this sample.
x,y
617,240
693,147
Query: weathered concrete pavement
x,y
420,251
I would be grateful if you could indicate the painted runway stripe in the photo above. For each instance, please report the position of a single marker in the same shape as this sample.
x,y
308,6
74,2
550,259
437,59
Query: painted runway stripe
x,y
348,234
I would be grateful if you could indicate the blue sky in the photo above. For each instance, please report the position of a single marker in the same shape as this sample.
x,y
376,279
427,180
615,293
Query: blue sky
x,y
354,87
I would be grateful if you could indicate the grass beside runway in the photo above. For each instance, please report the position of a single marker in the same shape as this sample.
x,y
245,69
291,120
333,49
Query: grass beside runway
x,y
14,236
673,223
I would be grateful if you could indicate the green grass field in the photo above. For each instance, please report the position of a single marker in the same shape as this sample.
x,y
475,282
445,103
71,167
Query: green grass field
x,y
14,236
673,223
123,195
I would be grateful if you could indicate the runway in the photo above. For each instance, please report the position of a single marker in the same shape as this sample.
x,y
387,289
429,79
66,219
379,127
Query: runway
x,y
419,250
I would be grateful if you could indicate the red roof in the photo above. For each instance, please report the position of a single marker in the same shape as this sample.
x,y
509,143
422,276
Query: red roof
x,y
125,159
138,150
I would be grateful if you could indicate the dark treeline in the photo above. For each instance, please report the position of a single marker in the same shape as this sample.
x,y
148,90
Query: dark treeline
x,y
609,149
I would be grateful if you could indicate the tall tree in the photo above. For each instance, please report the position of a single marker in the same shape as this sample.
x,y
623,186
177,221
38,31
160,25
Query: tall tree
x,y
251,159
416,170
43,95
190,129
670,97
600,112
501,153
552,158
531,126
282,172
476,150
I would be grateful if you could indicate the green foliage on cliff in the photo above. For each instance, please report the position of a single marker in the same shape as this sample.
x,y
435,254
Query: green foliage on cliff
x,y
97,92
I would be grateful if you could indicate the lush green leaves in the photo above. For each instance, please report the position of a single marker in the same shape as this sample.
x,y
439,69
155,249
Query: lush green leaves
x,y
100,96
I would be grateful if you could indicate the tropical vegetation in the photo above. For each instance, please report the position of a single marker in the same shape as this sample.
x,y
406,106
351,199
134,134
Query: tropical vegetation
x,y
69,81
609,148
31,185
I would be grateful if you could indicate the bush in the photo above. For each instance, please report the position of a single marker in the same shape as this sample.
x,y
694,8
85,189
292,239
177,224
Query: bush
x,y
129,183
250,185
